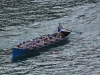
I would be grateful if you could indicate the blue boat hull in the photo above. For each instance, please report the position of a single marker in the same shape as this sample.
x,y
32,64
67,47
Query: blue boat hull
x,y
21,52
17,53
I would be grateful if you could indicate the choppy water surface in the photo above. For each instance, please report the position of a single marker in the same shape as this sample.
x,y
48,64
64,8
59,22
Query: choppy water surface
x,y
21,20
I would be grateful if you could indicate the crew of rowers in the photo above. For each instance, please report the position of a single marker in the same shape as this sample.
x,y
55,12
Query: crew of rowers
x,y
39,42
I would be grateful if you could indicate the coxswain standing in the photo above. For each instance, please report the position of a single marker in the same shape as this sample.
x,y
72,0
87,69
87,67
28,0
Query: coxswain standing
x,y
59,30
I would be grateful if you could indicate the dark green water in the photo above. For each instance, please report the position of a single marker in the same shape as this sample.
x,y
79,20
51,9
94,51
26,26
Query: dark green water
x,y
21,20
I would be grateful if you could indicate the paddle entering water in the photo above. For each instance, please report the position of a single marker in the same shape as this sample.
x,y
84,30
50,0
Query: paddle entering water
x,y
76,32
71,31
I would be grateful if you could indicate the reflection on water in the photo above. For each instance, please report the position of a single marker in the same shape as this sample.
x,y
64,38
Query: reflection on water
x,y
21,20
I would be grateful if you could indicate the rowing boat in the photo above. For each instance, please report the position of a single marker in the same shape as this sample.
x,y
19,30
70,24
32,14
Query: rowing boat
x,y
16,52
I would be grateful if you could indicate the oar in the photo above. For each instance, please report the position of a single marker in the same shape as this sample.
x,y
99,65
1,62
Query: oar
x,y
74,31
